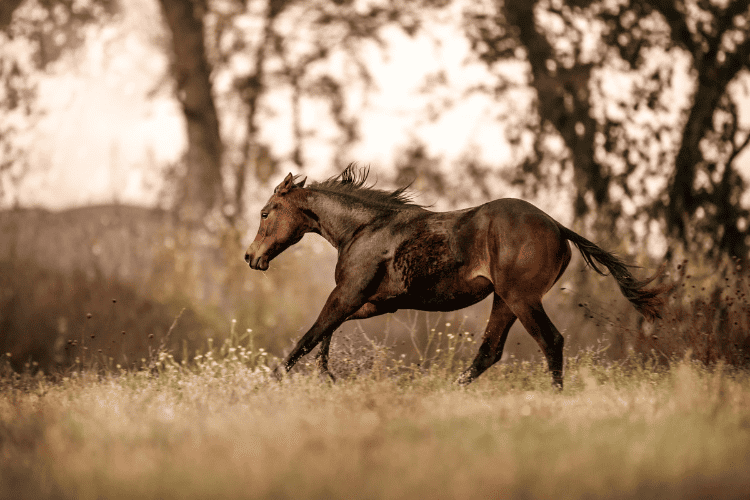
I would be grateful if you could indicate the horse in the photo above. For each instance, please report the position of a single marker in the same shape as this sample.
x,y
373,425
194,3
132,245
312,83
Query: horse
x,y
396,254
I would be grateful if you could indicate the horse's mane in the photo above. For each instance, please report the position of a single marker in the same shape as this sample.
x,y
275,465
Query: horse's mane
x,y
352,182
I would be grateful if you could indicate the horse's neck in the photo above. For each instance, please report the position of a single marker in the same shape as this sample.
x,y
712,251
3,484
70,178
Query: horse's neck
x,y
337,220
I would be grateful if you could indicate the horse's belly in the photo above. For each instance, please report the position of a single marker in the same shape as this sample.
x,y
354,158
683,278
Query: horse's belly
x,y
445,295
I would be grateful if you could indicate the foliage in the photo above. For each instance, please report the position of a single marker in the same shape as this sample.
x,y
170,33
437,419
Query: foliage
x,y
298,56
610,82
638,102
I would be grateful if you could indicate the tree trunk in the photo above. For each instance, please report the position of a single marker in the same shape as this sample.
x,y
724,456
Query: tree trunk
x,y
563,100
681,201
192,74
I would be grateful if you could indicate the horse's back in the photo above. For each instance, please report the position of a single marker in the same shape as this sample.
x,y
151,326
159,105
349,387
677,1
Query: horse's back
x,y
508,242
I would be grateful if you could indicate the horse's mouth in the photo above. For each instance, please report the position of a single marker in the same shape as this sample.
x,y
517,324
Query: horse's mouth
x,y
259,264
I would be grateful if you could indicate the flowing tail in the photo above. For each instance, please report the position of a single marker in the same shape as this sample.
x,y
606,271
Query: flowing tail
x,y
646,301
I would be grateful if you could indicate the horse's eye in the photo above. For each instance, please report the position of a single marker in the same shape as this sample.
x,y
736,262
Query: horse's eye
x,y
264,215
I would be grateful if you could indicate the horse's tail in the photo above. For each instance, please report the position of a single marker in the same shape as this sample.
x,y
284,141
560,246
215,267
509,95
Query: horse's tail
x,y
646,301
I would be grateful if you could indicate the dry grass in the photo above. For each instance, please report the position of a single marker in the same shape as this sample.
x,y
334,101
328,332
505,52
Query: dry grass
x,y
220,428
669,419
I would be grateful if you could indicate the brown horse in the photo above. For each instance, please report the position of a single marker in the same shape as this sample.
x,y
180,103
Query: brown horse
x,y
394,254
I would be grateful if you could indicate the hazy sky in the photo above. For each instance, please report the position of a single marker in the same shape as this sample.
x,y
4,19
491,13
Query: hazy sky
x,y
103,137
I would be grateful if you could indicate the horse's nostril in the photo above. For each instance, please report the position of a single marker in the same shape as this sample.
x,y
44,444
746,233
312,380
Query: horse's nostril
x,y
247,257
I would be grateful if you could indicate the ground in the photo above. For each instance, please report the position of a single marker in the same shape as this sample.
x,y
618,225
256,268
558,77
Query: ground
x,y
220,427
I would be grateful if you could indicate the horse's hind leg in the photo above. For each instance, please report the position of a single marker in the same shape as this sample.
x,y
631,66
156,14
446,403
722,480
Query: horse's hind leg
x,y
491,350
538,324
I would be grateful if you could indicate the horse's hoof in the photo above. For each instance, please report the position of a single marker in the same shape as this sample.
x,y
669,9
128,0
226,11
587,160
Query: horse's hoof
x,y
464,379
278,373
327,377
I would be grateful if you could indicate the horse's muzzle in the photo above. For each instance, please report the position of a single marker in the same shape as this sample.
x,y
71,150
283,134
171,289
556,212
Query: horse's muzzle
x,y
260,262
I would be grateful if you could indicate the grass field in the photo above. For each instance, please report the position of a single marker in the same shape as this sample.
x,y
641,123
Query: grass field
x,y
219,429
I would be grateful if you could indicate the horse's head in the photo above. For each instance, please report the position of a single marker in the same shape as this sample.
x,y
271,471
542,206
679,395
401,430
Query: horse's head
x,y
282,224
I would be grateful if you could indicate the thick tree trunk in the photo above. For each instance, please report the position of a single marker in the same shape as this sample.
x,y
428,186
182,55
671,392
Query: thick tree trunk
x,y
681,200
192,74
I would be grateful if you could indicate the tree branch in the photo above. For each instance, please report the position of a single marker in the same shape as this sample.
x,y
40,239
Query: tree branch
x,y
680,33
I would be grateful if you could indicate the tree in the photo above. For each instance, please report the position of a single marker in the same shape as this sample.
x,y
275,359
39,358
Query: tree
x,y
206,37
695,160
291,53
191,71
719,44
58,26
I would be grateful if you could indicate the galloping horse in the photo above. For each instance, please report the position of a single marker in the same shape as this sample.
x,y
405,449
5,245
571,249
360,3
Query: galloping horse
x,y
395,254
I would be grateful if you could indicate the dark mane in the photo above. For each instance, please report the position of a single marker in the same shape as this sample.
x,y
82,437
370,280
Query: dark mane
x,y
352,182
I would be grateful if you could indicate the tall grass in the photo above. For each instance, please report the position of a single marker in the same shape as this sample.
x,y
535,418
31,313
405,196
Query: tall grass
x,y
218,426
666,414
707,315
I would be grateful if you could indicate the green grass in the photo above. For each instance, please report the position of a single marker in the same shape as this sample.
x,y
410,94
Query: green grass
x,y
221,428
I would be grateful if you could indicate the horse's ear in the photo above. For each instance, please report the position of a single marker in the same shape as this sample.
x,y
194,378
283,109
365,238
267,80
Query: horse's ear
x,y
301,183
286,184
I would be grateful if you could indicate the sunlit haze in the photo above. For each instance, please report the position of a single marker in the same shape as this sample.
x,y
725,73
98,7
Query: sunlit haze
x,y
111,122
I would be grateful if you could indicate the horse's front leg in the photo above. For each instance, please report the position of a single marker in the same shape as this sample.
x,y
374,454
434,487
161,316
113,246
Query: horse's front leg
x,y
368,310
322,358
341,304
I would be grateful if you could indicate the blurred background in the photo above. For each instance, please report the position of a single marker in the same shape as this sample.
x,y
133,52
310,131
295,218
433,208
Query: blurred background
x,y
139,139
